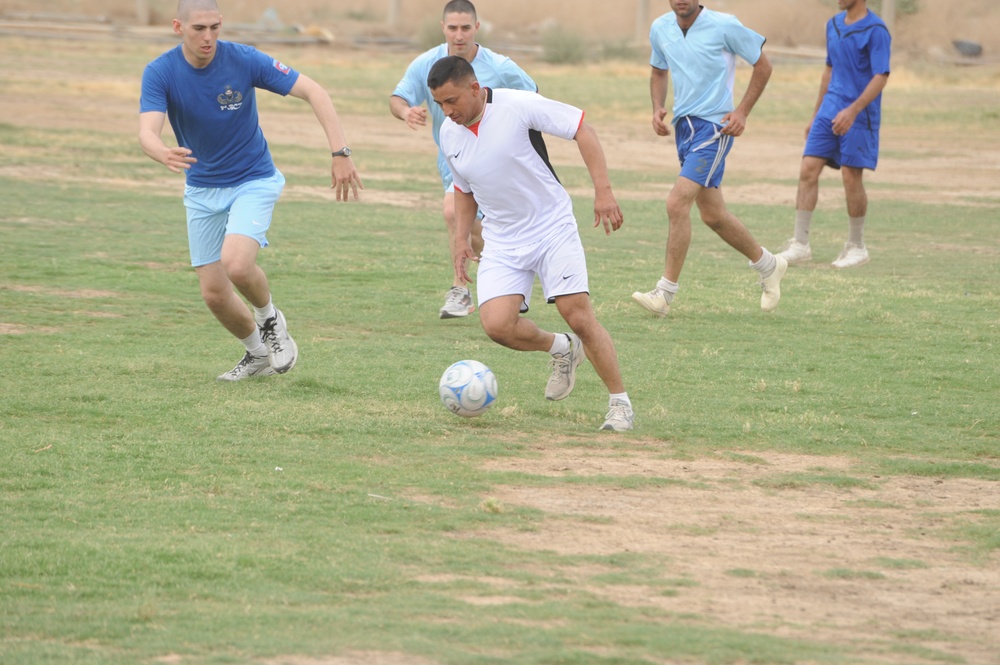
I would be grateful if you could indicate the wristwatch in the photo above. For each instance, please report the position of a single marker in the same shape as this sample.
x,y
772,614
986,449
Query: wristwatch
x,y
343,152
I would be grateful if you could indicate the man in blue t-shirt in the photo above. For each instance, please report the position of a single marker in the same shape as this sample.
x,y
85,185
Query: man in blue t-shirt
x,y
844,130
699,47
460,25
206,88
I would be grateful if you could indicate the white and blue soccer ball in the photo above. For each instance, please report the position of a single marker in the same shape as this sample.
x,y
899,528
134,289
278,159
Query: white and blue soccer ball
x,y
468,388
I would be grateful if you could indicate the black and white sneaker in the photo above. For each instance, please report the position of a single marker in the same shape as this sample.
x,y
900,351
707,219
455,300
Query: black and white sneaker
x,y
251,365
282,351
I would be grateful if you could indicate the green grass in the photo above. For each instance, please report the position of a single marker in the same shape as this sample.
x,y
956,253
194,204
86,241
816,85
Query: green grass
x,y
149,510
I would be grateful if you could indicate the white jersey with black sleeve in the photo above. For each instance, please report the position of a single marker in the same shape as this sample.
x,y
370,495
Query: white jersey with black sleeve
x,y
503,163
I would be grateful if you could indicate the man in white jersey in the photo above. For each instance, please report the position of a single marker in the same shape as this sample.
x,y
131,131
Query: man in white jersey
x,y
206,87
460,25
699,47
493,143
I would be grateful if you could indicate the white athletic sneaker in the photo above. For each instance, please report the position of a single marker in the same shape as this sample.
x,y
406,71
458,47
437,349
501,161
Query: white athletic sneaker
x,y
281,348
457,304
852,255
564,370
795,252
620,417
654,301
771,287
251,365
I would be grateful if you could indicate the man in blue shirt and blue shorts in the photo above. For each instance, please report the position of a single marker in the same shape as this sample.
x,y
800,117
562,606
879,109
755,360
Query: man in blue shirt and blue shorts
x,y
460,25
206,88
699,47
844,130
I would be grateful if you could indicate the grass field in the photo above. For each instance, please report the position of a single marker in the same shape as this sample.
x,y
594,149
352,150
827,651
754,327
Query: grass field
x,y
815,486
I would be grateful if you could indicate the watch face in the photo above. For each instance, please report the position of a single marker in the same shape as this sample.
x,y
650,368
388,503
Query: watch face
x,y
346,152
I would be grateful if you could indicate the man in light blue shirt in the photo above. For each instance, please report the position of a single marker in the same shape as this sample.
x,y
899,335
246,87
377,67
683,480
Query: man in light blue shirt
x,y
699,47
460,25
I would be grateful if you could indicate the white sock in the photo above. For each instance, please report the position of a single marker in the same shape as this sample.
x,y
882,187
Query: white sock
x,y
765,264
620,398
669,289
560,345
856,234
803,220
254,344
262,314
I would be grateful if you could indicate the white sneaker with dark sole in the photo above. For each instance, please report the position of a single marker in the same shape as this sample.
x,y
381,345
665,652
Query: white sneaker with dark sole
x,y
620,418
282,352
457,304
250,366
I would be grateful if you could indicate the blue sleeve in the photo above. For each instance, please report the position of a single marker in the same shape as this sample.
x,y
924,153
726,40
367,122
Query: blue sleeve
x,y
829,27
154,90
272,75
880,48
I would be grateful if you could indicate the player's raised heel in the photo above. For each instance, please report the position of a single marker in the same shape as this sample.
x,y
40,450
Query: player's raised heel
x,y
282,352
457,304
771,287
564,370
654,301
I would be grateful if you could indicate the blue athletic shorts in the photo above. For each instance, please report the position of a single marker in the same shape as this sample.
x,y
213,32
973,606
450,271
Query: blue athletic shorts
x,y
702,150
215,212
858,148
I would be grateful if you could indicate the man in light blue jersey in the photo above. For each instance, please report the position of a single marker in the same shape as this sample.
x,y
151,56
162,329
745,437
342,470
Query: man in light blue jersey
x,y
206,87
844,130
699,47
460,24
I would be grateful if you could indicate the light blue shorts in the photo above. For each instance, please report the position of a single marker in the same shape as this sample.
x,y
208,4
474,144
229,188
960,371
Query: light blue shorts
x,y
215,212
702,150
559,262
858,148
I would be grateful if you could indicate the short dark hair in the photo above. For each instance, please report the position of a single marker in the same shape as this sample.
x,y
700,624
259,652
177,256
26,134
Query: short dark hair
x,y
453,68
459,7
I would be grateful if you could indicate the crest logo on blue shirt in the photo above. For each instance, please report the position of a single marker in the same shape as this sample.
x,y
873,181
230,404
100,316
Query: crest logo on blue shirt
x,y
281,67
230,100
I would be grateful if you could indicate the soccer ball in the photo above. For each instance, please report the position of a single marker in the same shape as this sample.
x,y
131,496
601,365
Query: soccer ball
x,y
468,388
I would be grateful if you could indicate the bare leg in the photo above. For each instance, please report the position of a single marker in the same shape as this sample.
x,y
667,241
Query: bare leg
x,y
238,268
808,192
717,217
578,313
854,189
679,203
503,324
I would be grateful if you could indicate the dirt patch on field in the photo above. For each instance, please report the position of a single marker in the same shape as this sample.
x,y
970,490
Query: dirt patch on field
x,y
797,546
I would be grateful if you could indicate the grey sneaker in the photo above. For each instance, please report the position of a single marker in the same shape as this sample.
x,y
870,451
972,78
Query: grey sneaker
x,y
251,365
653,301
281,348
852,255
564,370
771,287
620,417
457,304
795,252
